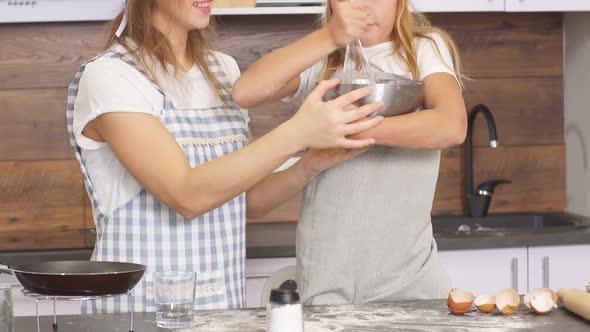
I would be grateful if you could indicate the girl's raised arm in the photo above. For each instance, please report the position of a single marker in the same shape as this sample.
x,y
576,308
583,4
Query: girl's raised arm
x,y
276,75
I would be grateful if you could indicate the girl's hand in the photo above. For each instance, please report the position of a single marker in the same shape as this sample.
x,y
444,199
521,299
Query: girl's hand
x,y
322,125
350,21
316,161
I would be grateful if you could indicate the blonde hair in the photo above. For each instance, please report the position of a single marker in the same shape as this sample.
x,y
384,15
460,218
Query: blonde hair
x,y
408,26
148,41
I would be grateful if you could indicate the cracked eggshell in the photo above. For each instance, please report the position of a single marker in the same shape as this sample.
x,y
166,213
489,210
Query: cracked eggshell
x,y
459,301
531,294
542,303
507,301
541,300
485,303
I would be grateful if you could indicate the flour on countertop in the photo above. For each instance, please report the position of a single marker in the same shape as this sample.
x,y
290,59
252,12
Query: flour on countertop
x,y
362,318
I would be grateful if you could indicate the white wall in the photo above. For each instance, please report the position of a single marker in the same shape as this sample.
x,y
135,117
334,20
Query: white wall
x,y
577,112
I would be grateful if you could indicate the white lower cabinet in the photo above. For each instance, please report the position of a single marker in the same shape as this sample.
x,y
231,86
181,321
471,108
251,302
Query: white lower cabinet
x,y
486,271
482,271
558,267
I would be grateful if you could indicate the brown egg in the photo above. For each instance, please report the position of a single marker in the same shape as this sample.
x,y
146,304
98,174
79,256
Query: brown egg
x,y
459,301
507,301
485,303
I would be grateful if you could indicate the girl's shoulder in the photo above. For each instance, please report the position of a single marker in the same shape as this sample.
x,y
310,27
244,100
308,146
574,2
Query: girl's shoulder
x,y
430,39
434,55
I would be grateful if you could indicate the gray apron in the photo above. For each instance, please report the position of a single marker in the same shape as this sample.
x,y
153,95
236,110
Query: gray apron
x,y
365,233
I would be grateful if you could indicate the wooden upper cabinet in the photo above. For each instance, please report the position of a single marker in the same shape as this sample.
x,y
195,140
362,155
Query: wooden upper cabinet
x,y
547,5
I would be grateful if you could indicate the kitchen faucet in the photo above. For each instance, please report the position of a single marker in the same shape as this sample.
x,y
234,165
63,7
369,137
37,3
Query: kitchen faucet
x,y
478,200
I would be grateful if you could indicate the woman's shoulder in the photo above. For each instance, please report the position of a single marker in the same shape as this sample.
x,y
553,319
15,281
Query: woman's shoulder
x,y
108,83
109,63
229,65
226,58
103,65
109,72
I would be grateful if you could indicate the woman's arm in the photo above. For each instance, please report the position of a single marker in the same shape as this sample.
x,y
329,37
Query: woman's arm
x,y
442,124
276,75
152,156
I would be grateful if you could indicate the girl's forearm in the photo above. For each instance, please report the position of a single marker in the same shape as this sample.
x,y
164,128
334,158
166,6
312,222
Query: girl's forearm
x,y
442,124
270,77
427,129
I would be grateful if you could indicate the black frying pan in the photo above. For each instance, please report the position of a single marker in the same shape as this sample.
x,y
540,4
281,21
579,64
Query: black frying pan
x,y
77,278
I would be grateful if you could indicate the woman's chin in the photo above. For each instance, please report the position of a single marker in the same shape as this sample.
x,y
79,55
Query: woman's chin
x,y
198,24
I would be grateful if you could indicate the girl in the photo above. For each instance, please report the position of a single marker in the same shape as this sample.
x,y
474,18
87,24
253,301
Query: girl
x,y
162,148
364,233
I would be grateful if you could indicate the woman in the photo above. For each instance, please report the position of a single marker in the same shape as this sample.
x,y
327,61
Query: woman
x,y
163,150
364,234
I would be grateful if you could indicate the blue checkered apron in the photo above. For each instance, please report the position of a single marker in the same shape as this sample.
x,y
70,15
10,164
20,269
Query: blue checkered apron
x,y
146,231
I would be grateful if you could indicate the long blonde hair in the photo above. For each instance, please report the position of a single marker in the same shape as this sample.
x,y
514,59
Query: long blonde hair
x,y
148,41
408,26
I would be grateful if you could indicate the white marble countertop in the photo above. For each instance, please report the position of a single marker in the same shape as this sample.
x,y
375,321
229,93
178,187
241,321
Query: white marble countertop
x,y
403,316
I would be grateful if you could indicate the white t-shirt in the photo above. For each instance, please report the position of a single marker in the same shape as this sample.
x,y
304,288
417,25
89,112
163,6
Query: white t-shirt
x,y
111,85
381,58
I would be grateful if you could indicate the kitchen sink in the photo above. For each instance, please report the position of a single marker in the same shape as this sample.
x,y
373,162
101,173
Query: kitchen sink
x,y
507,223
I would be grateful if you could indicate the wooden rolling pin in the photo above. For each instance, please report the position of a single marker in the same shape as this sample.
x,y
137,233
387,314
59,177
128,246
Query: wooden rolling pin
x,y
576,301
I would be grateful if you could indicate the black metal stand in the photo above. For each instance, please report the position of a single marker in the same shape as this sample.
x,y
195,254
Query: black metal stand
x,y
55,298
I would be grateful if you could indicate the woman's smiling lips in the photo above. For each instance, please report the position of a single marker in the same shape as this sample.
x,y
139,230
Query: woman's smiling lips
x,y
203,6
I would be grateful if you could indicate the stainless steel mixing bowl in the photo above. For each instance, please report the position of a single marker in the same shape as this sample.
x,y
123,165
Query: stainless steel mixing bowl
x,y
398,95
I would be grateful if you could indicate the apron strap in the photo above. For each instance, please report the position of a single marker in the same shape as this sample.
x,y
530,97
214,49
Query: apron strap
x,y
167,103
218,71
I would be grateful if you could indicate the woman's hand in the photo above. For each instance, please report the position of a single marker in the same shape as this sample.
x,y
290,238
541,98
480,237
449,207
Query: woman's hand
x,y
316,161
350,21
323,125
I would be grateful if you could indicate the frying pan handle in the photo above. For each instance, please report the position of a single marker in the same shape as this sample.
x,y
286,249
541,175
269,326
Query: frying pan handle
x,y
5,269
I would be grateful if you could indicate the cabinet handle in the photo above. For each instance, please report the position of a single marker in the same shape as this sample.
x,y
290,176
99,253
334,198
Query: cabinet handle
x,y
546,272
514,270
